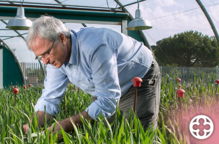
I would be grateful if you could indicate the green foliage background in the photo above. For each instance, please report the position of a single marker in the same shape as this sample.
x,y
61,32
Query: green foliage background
x,y
187,49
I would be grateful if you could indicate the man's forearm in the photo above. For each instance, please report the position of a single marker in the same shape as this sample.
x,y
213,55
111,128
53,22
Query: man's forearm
x,y
76,119
41,116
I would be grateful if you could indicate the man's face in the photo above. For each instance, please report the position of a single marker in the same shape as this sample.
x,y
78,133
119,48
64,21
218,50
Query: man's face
x,y
54,53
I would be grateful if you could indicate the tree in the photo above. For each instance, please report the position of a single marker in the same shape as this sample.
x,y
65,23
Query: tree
x,y
188,49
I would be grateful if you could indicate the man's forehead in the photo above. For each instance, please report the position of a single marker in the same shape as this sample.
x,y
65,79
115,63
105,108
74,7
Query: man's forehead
x,y
38,42
39,45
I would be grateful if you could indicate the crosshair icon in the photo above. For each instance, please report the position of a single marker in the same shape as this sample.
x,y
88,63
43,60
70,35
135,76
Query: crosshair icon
x,y
201,127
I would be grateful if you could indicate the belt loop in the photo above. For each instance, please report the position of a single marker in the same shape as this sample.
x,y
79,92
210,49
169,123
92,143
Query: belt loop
x,y
153,63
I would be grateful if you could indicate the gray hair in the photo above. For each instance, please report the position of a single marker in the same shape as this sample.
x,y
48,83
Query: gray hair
x,y
47,27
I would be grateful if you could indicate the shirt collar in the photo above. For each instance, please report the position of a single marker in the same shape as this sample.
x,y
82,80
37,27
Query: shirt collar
x,y
74,49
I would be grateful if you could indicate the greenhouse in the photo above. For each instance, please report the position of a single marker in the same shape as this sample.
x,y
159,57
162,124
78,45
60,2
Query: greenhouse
x,y
113,15
175,90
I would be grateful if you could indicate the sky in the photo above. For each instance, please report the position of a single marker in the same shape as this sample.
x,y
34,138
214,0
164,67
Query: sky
x,y
167,17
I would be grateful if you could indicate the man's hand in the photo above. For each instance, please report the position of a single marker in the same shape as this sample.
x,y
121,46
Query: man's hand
x,y
40,115
25,127
57,128
66,124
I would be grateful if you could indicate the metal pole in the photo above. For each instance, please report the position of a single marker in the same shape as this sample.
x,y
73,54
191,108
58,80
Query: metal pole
x,y
135,101
209,19
181,118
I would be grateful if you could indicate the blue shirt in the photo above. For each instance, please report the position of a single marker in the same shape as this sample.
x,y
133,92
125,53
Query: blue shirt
x,y
102,63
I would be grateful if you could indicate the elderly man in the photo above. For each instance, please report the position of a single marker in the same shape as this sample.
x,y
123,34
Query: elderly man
x,y
99,61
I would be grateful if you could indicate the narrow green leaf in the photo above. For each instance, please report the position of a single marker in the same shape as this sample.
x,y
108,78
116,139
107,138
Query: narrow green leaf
x,y
88,129
76,130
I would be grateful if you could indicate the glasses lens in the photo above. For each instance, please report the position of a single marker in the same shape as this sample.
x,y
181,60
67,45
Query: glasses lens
x,y
46,55
50,48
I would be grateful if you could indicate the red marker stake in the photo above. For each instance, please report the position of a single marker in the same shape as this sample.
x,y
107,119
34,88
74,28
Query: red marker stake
x,y
15,91
136,83
178,80
24,88
180,93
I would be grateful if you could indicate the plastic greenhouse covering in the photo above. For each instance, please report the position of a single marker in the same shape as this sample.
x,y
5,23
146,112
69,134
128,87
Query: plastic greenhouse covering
x,y
15,40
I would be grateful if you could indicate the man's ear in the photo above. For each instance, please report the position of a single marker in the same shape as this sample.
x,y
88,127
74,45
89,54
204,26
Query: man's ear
x,y
63,39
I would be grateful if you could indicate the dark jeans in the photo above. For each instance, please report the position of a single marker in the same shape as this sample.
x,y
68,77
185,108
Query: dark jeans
x,y
148,98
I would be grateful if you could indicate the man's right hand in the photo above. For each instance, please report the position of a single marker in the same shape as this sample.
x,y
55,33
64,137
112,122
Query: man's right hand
x,y
25,127
40,115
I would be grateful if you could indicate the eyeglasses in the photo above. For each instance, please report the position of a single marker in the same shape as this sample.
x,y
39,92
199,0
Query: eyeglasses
x,y
43,55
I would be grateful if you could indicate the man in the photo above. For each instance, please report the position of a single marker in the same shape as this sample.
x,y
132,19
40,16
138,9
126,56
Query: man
x,y
99,61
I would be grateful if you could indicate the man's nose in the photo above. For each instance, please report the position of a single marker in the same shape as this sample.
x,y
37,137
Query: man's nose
x,y
45,60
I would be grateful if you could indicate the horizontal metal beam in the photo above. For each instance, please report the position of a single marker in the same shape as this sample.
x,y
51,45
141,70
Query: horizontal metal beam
x,y
73,21
58,4
90,22
6,29
81,15
9,37
131,3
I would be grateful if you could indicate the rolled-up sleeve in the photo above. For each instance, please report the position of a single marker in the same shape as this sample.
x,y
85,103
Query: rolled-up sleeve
x,y
55,84
103,63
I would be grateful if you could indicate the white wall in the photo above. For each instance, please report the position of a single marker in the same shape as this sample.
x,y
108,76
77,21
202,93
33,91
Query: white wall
x,y
1,68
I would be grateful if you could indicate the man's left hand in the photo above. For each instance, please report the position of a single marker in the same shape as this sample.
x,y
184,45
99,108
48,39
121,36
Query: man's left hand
x,y
57,128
